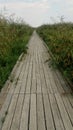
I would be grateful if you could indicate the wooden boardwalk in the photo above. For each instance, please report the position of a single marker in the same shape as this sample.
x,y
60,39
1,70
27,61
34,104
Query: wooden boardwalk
x,y
39,98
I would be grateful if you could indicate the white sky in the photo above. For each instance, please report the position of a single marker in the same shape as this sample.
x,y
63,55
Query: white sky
x,y
37,12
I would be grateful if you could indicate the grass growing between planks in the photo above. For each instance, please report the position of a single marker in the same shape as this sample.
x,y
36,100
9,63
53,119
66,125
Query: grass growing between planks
x,y
13,39
59,38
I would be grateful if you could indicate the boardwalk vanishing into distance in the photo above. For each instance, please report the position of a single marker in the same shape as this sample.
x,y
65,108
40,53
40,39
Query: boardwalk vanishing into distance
x,y
38,98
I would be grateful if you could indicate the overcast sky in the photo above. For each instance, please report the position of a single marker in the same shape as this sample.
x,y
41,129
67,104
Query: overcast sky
x,y
37,12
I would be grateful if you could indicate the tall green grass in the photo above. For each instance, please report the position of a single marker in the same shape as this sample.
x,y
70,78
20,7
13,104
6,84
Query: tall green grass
x,y
13,39
59,38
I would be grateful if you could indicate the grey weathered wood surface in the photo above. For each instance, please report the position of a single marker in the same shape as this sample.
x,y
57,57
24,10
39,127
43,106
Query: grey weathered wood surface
x,y
39,98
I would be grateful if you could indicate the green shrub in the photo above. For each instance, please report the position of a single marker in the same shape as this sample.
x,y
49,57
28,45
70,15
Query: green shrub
x,y
14,37
59,38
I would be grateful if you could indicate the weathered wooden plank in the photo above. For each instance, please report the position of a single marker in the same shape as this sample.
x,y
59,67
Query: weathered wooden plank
x,y
56,114
33,87
38,83
28,87
48,84
33,118
70,97
42,76
38,77
16,119
48,113
19,80
5,108
53,84
10,113
40,113
68,106
24,79
63,112
25,113
57,81
18,70
9,96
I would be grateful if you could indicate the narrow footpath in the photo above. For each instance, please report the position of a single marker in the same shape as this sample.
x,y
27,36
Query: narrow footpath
x,y
38,98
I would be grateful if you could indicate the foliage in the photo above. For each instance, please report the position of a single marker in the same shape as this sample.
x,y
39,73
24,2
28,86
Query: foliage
x,y
13,39
59,38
